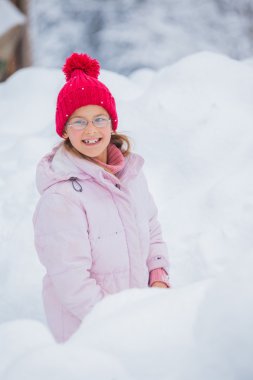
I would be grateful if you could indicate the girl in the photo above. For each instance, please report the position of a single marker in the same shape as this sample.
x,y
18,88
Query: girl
x,y
95,225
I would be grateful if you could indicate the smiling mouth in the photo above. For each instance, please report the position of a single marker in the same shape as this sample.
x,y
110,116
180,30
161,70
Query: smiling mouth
x,y
91,141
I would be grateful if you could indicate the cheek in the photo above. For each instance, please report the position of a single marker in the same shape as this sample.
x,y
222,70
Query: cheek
x,y
107,135
74,136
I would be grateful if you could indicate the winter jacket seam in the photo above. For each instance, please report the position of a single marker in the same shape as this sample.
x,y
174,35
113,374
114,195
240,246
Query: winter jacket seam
x,y
62,323
127,243
64,271
45,234
111,272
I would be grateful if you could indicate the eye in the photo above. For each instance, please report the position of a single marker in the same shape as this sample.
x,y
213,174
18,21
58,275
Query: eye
x,y
79,122
100,119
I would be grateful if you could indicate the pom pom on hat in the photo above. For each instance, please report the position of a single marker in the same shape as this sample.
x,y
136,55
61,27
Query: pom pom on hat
x,y
82,62
82,88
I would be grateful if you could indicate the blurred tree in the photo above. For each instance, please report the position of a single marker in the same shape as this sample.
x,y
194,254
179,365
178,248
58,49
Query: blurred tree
x,y
23,55
11,31
129,34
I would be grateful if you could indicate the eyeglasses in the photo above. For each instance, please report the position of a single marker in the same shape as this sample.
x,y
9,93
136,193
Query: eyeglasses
x,y
79,123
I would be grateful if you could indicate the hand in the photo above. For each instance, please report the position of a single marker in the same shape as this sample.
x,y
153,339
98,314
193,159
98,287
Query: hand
x,y
159,284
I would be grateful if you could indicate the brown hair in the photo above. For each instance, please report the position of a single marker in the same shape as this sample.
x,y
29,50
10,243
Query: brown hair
x,y
120,140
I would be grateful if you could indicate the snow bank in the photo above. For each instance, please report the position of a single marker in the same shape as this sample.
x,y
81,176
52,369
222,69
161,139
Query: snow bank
x,y
192,121
198,113
224,326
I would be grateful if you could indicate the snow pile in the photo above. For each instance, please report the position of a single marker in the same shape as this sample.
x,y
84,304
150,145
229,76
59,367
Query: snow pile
x,y
224,326
196,136
192,121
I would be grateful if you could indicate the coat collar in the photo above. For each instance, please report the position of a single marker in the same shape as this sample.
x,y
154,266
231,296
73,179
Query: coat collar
x,y
60,165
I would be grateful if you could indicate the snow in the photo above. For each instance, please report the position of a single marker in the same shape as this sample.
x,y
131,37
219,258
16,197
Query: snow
x,y
192,122
10,16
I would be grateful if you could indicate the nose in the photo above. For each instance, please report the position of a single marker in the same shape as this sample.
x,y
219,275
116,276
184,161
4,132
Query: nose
x,y
90,128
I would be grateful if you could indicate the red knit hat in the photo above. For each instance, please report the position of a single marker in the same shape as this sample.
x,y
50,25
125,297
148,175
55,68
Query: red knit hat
x,y
82,88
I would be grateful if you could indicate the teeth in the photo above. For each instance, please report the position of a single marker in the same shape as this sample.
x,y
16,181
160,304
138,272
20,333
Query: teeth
x,y
91,141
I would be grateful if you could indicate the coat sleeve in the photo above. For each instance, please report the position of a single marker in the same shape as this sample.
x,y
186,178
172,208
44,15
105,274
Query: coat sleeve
x,y
158,252
63,247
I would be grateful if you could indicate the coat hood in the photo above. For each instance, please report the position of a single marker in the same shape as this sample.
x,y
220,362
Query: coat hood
x,y
60,165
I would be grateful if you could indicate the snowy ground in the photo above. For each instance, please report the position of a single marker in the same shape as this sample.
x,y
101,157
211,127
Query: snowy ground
x,y
192,122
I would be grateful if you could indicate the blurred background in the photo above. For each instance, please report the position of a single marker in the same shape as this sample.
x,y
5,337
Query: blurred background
x,y
124,35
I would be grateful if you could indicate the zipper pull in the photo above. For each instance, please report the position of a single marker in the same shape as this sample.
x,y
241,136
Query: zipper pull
x,y
75,184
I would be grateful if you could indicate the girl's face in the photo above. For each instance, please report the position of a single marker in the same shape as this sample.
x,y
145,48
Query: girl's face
x,y
90,140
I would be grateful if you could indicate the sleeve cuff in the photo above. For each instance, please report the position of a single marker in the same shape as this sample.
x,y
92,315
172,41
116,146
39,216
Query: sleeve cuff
x,y
158,274
158,261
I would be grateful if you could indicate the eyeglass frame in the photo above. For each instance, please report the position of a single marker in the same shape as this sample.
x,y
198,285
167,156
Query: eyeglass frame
x,y
108,120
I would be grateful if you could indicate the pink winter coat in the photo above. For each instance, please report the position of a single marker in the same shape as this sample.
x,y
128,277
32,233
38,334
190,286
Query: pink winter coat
x,y
95,233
